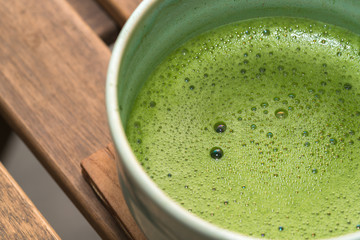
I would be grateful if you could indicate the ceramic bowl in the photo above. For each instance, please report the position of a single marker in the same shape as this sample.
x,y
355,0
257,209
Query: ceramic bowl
x,y
156,28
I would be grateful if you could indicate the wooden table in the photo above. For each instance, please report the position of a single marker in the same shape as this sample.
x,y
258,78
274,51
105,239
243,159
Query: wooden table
x,y
53,63
19,218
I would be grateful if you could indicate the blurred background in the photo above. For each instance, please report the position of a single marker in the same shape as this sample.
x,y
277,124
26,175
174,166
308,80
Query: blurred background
x,y
43,191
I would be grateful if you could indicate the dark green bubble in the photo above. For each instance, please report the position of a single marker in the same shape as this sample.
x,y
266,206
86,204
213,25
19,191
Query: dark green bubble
x,y
220,127
216,153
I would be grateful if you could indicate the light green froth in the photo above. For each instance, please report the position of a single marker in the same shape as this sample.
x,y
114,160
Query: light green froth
x,y
304,177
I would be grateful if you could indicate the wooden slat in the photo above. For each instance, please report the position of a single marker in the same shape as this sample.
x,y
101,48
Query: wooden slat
x,y
97,18
120,10
99,170
19,218
52,74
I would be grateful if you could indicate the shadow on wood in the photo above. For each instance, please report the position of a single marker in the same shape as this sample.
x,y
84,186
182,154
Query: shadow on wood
x,y
5,132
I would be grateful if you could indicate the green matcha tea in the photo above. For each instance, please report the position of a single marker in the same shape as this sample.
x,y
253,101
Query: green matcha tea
x,y
254,127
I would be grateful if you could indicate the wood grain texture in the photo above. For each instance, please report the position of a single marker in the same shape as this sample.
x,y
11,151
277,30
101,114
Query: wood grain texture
x,y
99,170
97,18
19,218
52,79
120,10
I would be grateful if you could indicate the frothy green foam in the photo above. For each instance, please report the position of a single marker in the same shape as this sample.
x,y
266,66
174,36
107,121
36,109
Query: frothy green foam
x,y
254,127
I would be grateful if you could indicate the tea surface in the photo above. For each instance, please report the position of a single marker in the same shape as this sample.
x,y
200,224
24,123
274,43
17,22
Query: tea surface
x,y
254,126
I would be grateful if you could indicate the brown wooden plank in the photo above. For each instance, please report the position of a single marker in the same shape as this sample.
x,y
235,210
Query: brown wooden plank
x,y
19,218
120,10
99,170
52,74
97,18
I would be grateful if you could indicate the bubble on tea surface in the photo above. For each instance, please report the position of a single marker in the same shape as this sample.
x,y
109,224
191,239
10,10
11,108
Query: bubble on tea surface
x,y
184,51
266,32
347,86
311,90
264,105
269,135
291,95
216,153
220,127
281,113
152,104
